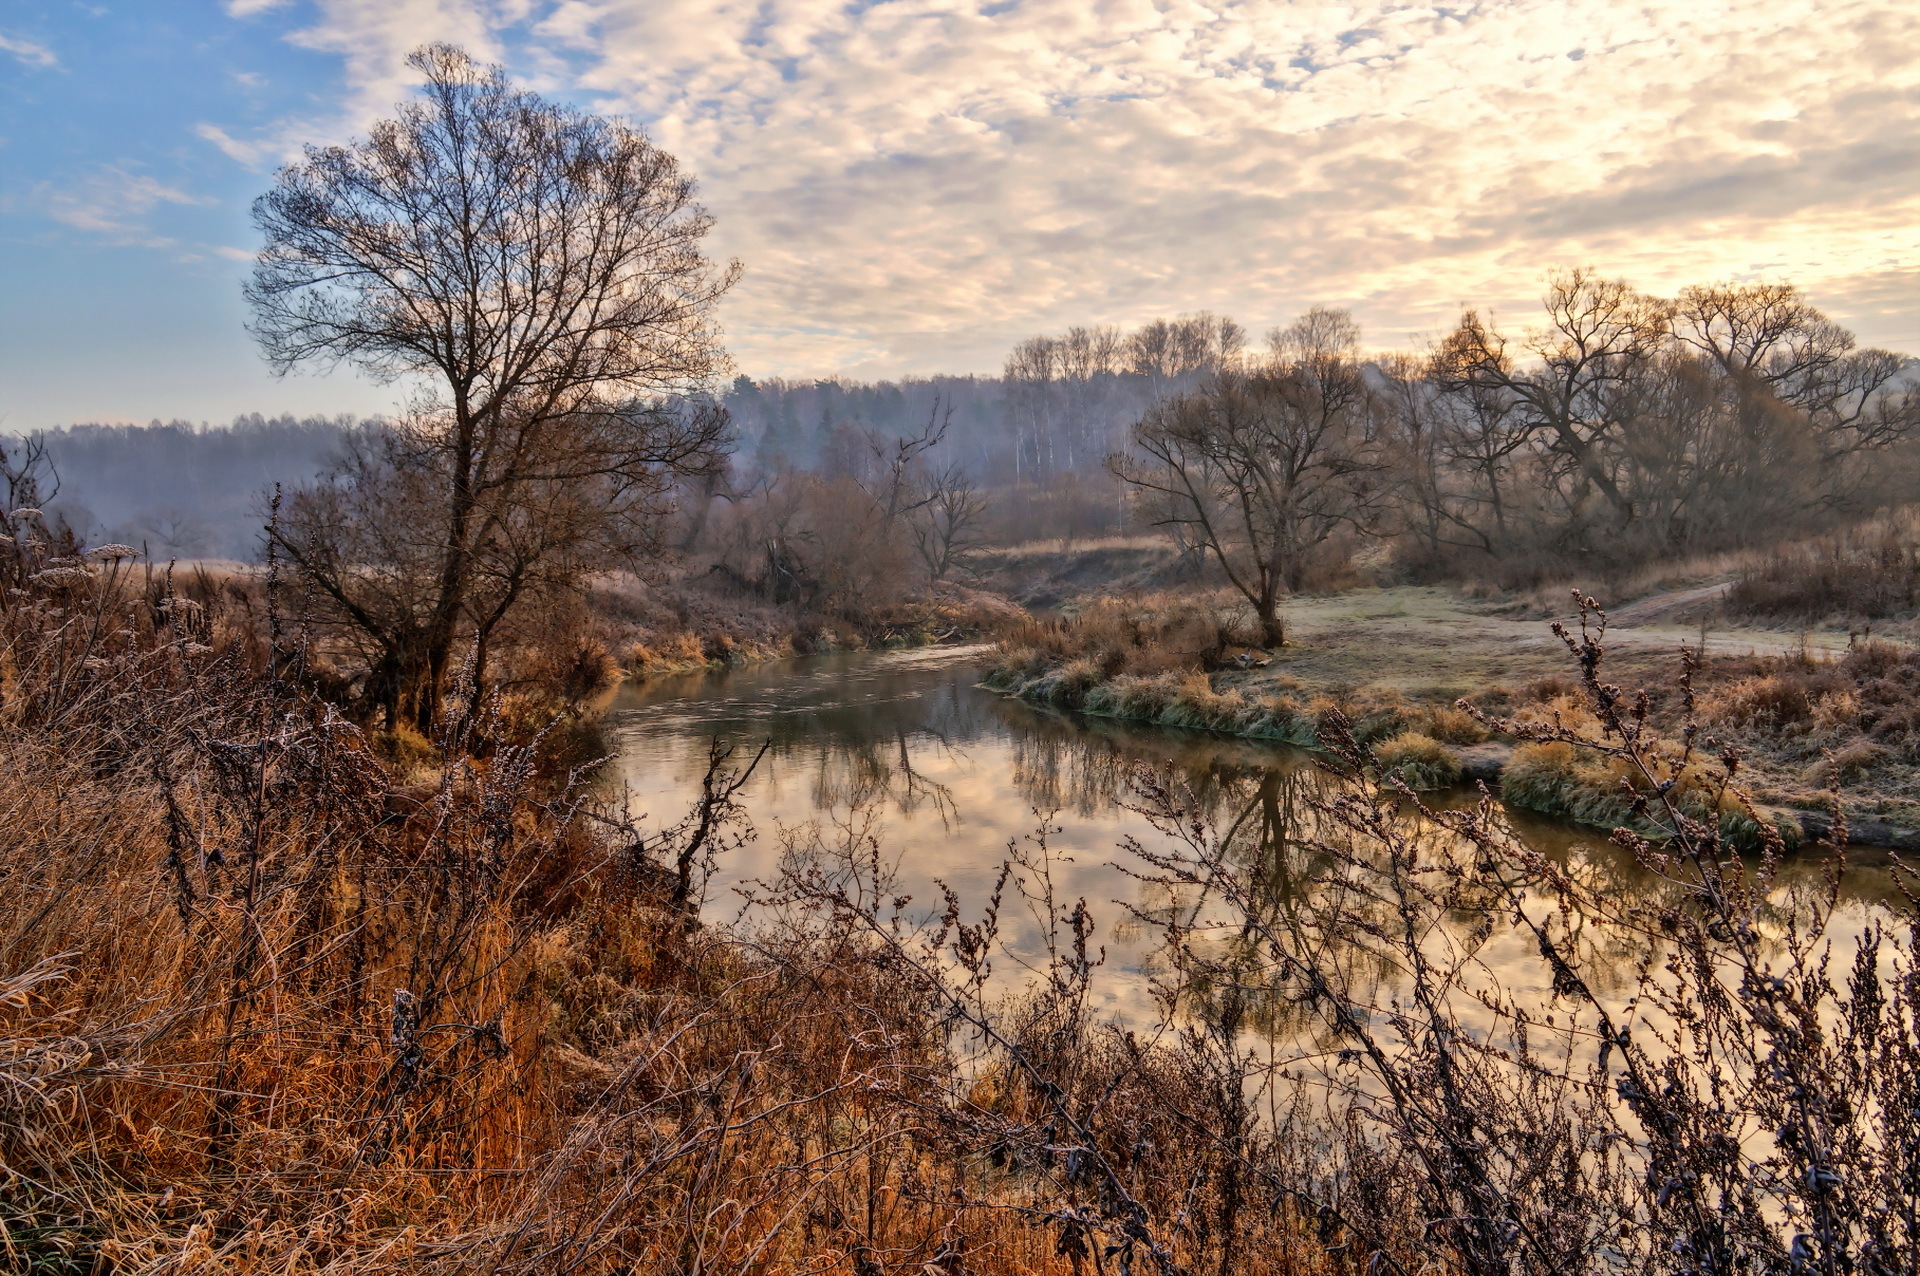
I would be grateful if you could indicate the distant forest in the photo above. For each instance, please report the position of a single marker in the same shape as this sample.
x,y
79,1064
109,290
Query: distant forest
x,y
1061,408
180,490
1628,428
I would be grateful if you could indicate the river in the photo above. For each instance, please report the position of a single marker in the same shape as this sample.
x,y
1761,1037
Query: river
x,y
906,749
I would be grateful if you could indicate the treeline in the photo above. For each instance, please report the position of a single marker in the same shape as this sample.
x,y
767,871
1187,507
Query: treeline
x,y
177,489
843,492
1635,424
1062,404
1062,407
1624,427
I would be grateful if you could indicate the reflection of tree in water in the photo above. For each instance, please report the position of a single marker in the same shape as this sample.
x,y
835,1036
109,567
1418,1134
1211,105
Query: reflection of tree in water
x,y
865,741
1302,872
1265,803
1289,855
875,772
860,740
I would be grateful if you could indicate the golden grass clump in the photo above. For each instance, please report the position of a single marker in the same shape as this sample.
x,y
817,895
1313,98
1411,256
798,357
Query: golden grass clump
x,y
1418,761
1451,725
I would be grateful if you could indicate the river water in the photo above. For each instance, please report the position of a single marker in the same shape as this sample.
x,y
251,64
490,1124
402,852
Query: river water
x,y
908,750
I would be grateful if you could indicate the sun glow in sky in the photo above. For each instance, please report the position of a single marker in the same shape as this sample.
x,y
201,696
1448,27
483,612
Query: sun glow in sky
x,y
915,185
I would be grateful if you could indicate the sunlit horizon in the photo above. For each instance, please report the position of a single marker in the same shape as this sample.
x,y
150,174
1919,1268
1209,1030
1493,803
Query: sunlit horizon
x,y
914,188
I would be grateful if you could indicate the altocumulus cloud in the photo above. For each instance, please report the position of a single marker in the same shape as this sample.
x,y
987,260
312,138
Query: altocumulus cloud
x,y
914,185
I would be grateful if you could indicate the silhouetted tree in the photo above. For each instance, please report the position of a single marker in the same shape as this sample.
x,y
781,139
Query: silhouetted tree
x,y
536,273
1263,467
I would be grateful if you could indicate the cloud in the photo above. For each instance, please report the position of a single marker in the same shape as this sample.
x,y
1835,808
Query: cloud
x,y
113,203
915,185
248,153
27,51
372,38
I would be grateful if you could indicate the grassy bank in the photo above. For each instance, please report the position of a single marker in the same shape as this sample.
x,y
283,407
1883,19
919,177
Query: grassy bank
x,y
1787,704
1167,661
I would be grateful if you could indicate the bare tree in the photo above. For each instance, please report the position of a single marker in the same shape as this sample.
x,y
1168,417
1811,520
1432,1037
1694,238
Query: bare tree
x,y
897,481
1165,350
1261,468
28,480
1600,339
1456,455
1657,426
536,273
1771,344
948,525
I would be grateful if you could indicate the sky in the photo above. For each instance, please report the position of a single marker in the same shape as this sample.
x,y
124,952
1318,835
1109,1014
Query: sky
x,y
915,185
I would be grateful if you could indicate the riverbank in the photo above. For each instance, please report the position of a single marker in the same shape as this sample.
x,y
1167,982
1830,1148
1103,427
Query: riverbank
x,y
692,621
1389,665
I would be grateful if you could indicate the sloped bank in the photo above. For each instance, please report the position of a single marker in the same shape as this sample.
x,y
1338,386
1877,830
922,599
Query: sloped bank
x,y
1428,747
705,621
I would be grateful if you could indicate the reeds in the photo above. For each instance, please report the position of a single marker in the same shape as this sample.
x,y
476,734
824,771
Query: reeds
x,y
270,1003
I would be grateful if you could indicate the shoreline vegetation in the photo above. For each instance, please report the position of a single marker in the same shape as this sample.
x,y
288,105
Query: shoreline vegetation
x,y
272,1004
1163,662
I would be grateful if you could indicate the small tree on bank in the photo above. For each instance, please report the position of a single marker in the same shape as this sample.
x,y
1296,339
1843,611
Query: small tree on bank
x,y
1261,468
536,273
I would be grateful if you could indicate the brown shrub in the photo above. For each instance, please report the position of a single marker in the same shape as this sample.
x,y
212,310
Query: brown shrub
x,y
1870,573
1454,726
1551,687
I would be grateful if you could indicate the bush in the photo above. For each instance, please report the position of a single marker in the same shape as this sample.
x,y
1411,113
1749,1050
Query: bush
x,y
1869,574
1592,788
1418,761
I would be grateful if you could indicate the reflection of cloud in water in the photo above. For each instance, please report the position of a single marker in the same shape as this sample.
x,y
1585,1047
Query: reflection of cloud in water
x,y
954,774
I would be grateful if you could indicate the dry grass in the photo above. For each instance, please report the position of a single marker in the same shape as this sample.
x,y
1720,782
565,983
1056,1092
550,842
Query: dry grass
x,y
1791,714
1166,661
695,621
277,995
1868,573
1418,761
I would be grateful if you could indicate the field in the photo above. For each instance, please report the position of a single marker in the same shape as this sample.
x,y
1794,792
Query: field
x,y
1436,643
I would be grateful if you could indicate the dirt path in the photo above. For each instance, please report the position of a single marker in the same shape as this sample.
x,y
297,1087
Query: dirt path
x,y
1678,606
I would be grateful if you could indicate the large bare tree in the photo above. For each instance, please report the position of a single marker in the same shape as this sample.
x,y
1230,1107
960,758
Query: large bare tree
x,y
1263,467
535,275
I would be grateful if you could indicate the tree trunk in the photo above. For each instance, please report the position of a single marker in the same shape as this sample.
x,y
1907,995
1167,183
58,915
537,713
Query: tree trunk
x,y
429,675
1273,633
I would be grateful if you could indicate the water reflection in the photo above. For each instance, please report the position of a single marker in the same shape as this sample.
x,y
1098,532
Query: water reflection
x,y
954,775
